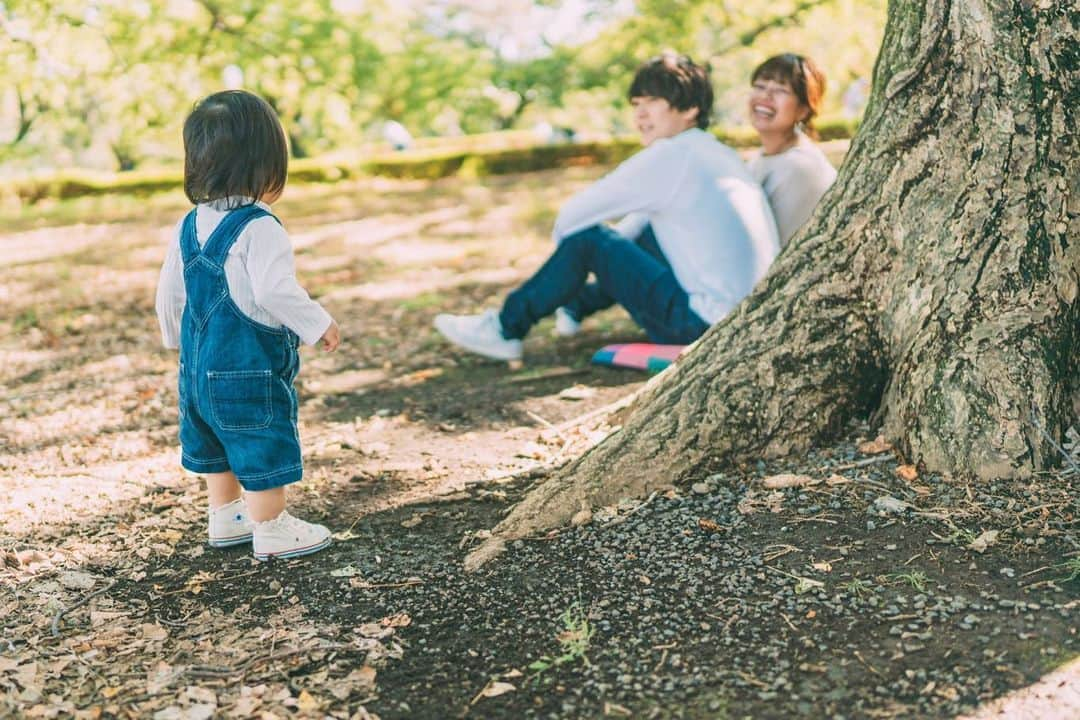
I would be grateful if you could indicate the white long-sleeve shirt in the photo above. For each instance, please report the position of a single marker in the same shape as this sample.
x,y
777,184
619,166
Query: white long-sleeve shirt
x,y
259,270
710,217
794,182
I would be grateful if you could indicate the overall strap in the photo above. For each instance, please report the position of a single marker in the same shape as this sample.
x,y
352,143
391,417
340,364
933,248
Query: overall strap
x,y
189,244
228,230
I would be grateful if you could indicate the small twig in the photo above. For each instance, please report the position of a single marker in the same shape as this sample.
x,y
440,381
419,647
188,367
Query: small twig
x,y
784,550
64,611
1038,570
871,668
913,558
1053,443
863,463
605,410
1042,583
751,679
816,518
663,659
783,572
547,375
223,673
405,583
623,518
789,623
207,581
182,622
481,693
540,420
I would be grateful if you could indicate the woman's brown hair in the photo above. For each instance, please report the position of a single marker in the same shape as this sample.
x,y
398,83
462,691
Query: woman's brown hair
x,y
806,79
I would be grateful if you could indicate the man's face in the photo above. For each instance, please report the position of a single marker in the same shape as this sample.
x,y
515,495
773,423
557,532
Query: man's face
x,y
655,118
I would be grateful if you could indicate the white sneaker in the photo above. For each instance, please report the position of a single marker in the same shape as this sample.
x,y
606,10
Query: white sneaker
x,y
565,324
481,334
288,537
229,525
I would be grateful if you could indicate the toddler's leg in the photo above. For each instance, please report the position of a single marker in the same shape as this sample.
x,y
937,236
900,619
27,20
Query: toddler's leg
x,y
228,522
222,488
266,504
279,534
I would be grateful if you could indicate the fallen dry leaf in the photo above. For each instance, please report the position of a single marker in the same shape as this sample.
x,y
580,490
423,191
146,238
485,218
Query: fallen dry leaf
x,y
875,447
150,631
306,703
908,472
985,540
362,678
374,630
397,620
577,392
494,689
786,480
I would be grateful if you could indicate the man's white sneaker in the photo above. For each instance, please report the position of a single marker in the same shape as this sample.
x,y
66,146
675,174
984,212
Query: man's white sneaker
x,y
229,525
565,324
288,537
481,334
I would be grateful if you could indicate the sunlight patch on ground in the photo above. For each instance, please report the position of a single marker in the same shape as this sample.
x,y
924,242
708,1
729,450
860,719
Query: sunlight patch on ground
x,y
11,291
376,230
416,252
425,283
18,362
349,381
60,496
322,263
36,245
1055,696
71,422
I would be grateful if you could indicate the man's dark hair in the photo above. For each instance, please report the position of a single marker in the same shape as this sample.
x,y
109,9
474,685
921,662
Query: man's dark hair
x,y
677,79
233,145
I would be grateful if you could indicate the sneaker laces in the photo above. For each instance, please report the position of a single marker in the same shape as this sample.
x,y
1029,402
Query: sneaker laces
x,y
284,521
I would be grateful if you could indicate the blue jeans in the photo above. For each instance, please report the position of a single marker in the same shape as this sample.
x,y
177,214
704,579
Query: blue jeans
x,y
635,276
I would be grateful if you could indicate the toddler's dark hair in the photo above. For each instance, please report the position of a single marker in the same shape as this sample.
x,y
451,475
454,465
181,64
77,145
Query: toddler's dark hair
x,y
233,146
677,79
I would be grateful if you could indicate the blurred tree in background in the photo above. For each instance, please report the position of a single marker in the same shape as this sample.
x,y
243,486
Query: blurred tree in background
x,y
107,83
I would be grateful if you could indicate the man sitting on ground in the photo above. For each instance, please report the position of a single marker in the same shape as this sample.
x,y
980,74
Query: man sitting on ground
x,y
696,231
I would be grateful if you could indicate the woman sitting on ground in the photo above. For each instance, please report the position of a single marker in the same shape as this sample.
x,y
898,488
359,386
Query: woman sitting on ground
x,y
785,98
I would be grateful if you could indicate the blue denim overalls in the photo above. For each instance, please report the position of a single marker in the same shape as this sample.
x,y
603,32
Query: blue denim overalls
x,y
237,401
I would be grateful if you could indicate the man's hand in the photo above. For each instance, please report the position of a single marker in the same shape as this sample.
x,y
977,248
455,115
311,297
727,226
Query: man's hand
x,y
331,338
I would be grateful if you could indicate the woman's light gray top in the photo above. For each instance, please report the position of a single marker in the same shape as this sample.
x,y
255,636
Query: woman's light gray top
x,y
794,182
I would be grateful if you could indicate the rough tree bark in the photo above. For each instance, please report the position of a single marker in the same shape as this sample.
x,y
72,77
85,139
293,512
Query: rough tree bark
x,y
934,290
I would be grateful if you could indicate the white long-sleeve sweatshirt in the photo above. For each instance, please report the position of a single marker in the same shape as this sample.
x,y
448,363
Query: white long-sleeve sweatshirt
x,y
710,217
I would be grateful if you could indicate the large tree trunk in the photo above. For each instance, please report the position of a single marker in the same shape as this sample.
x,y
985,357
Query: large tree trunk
x,y
935,288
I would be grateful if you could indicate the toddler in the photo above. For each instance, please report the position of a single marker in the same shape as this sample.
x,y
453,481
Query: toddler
x,y
229,299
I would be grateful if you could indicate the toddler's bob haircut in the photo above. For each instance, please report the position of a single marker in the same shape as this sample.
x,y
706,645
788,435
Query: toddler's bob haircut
x,y
677,79
234,147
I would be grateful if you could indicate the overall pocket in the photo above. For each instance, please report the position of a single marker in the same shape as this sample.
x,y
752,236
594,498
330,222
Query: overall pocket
x,y
240,400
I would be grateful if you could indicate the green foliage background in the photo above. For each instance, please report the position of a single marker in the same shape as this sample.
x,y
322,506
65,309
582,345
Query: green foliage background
x,y
105,84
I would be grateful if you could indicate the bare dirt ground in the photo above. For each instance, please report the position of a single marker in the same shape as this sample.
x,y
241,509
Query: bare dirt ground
x,y
111,604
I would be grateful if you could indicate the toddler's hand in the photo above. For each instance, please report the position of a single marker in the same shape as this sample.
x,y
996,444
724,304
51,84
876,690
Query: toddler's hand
x,y
331,338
